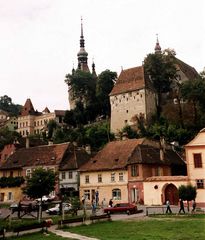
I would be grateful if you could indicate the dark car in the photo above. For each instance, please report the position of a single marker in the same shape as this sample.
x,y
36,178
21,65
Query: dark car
x,y
121,208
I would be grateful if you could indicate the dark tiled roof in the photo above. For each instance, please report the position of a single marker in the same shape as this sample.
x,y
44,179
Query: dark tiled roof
x,y
60,112
113,156
46,110
36,156
189,71
74,159
129,80
118,154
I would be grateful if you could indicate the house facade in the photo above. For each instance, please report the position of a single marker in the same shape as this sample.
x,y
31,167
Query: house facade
x,y
119,171
31,121
195,156
25,160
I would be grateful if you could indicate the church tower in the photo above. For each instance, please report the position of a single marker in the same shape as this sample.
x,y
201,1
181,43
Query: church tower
x,y
82,58
157,48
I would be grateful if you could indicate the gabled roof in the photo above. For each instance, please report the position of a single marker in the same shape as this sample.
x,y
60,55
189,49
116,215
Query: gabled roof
x,y
4,112
130,80
36,156
46,110
188,71
119,154
28,108
199,139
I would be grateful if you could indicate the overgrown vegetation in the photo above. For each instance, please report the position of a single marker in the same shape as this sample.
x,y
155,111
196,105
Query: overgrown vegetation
x,y
11,181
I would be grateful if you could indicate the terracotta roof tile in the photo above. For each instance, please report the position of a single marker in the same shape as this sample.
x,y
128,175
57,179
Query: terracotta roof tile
x,y
113,156
36,156
28,108
166,178
129,80
189,71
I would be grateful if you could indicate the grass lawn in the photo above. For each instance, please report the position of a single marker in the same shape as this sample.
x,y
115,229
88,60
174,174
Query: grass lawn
x,y
38,236
160,228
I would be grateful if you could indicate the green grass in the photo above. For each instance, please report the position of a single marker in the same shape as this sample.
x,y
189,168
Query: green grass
x,y
148,229
39,236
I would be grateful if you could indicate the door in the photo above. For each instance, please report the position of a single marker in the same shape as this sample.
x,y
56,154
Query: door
x,y
171,194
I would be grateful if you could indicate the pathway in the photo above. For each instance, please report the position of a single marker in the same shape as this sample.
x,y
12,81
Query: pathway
x,y
69,234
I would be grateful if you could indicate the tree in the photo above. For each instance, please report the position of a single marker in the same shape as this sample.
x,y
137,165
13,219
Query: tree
x,y
82,85
105,83
7,136
7,105
187,193
193,91
42,182
161,70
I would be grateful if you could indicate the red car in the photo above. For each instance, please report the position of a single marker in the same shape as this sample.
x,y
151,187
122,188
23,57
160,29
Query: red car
x,y
121,207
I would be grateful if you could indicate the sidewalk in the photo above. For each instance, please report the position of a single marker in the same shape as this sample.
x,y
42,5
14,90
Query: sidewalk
x,y
69,234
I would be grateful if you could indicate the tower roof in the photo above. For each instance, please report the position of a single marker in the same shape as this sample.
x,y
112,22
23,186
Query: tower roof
x,y
82,54
157,46
28,108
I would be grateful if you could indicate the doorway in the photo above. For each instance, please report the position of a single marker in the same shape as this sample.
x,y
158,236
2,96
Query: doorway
x,y
171,194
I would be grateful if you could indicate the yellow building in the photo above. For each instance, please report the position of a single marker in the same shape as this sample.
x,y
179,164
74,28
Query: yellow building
x,y
195,157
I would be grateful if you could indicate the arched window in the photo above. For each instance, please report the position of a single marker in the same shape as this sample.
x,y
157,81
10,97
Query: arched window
x,y
116,194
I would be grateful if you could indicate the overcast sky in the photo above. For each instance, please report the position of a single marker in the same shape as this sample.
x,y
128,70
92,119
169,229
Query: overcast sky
x,y
39,41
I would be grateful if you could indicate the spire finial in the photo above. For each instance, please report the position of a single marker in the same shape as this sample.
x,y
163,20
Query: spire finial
x,y
81,26
157,46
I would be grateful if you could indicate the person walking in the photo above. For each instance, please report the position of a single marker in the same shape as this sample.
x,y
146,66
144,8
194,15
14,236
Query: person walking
x,y
193,206
110,203
168,207
93,207
181,204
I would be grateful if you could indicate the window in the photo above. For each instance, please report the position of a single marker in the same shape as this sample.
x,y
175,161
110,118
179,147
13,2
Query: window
x,y
200,183
87,179
134,170
87,194
10,196
125,121
28,173
99,178
126,111
197,160
11,173
116,194
112,177
19,173
4,173
157,171
121,177
63,175
70,175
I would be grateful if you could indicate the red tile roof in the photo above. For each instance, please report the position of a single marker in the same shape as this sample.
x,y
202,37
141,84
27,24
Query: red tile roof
x,y
129,80
118,154
166,178
189,71
28,108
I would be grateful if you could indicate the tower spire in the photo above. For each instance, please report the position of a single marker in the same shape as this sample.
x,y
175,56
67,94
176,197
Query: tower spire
x,y
157,46
82,54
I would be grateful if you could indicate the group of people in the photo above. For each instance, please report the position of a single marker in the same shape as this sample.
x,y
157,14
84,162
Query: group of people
x,y
181,205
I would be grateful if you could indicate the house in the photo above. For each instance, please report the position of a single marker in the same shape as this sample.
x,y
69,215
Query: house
x,y
25,160
32,122
195,157
120,169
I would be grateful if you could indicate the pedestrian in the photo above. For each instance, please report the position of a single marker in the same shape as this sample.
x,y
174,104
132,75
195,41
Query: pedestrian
x,y
103,203
181,204
93,207
110,203
168,207
83,200
193,206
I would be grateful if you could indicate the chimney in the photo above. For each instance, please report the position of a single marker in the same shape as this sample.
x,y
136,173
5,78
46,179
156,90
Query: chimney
x,y
88,149
27,142
162,148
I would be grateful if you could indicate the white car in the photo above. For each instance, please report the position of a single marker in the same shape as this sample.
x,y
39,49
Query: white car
x,y
56,210
45,199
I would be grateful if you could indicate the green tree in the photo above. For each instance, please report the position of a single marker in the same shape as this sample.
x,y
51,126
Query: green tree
x,y
193,92
130,133
187,193
7,105
8,137
161,70
83,85
105,83
42,182
52,126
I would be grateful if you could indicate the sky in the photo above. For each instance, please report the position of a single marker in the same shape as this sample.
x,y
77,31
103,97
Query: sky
x,y
39,41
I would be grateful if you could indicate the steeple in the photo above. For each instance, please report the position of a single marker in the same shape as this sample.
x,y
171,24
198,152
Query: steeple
x,y
157,46
82,54
93,70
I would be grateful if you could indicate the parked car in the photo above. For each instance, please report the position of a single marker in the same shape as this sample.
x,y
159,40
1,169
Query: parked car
x,y
45,199
121,208
56,210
